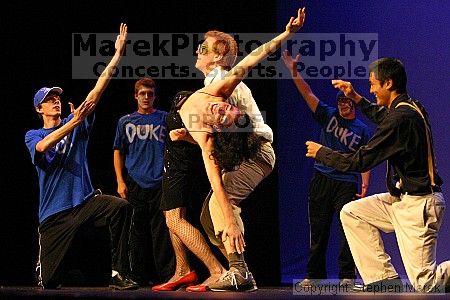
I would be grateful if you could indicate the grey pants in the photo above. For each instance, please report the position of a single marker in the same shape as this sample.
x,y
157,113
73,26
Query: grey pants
x,y
238,184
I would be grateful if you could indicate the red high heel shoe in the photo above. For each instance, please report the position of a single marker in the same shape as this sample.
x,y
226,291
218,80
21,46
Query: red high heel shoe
x,y
201,288
187,280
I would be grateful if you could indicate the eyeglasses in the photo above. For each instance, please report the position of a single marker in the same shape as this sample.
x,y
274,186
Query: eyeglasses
x,y
203,49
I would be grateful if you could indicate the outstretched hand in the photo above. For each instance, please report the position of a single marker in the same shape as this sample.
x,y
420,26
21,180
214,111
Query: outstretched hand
x,y
82,111
121,38
294,25
347,88
178,134
291,63
312,149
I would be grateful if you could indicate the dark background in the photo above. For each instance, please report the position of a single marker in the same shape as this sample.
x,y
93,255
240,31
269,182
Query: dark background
x,y
36,52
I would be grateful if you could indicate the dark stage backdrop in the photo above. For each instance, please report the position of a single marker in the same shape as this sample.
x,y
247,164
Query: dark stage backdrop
x,y
36,48
417,33
36,52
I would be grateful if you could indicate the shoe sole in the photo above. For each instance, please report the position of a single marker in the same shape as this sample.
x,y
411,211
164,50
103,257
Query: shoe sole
x,y
252,289
181,288
121,288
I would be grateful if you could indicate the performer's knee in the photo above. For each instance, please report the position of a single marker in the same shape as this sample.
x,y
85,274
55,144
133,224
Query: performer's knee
x,y
346,213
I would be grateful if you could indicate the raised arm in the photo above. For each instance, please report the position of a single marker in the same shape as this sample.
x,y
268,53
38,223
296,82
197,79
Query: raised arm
x,y
347,88
305,90
102,82
237,73
372,111
53,138
88,105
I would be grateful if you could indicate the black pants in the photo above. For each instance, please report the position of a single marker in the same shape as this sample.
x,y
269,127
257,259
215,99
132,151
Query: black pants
x,y
149,235
57,232
327,197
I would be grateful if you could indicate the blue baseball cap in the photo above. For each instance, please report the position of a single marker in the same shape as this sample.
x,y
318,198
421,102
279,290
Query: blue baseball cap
x,y
43,92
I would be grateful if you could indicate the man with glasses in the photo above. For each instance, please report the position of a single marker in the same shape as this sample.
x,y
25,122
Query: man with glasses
x,y
67,198
215,57
330,189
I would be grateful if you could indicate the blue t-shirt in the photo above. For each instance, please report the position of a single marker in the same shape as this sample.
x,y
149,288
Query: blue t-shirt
x,y
140,138
64,180
339,134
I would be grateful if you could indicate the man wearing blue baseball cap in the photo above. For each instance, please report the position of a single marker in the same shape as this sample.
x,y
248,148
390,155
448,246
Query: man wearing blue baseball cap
x,y
330,189
67,198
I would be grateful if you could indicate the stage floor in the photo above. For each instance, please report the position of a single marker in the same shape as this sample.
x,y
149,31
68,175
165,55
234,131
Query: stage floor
x,y
146,293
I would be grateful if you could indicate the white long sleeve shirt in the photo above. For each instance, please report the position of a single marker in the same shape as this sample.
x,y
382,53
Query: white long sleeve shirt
x,y
243,99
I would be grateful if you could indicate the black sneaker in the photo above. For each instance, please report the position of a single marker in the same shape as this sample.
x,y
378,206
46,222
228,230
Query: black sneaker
x,y
120,282
51,286
234,280
141,281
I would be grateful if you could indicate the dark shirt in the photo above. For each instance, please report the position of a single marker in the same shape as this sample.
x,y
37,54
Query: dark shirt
x,y
180,157
400,138
340,134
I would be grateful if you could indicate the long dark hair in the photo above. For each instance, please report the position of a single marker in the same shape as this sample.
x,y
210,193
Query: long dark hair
x,y
232,147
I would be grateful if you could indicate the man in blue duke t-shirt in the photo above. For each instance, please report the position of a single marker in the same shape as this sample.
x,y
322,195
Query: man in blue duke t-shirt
x,y
67,198
330,189
139,154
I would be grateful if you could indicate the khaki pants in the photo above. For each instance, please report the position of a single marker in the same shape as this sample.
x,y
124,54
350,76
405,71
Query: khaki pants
x,y
415,220
238,184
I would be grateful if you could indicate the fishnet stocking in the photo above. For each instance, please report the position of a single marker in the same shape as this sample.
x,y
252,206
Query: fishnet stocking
x,y
182,263
192,239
